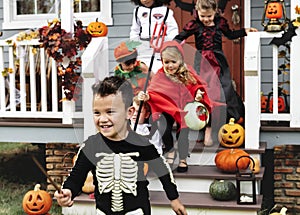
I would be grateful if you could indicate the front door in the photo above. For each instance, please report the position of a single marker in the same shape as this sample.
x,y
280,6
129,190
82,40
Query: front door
x,y
233,49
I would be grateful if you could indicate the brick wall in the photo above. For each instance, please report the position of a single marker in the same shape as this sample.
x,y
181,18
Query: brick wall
x,y
287,177
59,161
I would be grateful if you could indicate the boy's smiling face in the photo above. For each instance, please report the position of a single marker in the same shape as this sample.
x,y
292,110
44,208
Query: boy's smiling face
x,y
111,116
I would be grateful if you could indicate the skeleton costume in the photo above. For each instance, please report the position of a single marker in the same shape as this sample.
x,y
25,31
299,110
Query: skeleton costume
x,y
117,167
142,28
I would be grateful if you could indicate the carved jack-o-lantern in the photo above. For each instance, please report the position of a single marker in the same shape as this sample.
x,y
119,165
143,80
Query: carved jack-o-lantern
x,y
37,202
274,10
97,29
263,103
231,135
281,105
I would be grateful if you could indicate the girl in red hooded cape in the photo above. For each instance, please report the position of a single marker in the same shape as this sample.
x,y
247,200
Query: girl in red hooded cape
x,y
171,88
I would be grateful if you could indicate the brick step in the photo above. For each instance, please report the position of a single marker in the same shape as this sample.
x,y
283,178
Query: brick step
x,y
194,203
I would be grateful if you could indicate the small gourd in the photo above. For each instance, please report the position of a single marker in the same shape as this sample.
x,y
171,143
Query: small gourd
x,y
222,190
282,211
231,135
225,160
256,168
89,186
37,201
97,29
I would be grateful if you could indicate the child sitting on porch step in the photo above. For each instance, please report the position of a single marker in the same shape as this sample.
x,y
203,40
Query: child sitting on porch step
x,y
116,156
129,67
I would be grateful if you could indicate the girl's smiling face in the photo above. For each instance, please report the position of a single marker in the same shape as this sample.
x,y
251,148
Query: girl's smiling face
x,y
171,65
111,116
147,3
206,16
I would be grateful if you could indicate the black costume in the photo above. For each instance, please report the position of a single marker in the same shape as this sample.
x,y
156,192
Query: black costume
x,y
117,167
210,61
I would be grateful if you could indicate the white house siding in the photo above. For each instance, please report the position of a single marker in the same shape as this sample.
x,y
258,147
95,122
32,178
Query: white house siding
x,y
257,11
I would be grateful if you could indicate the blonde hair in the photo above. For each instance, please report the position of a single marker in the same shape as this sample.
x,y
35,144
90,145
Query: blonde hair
x,y
206,5
182,74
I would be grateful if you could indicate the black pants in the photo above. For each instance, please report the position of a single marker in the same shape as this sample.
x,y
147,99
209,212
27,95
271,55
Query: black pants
x,y
166,123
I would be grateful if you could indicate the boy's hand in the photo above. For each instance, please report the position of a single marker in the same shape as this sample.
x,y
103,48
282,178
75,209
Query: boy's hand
x,y
178,207
199,95
64,198
143,96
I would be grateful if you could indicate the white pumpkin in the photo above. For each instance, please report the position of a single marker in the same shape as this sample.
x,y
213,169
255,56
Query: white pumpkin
x,y
197,115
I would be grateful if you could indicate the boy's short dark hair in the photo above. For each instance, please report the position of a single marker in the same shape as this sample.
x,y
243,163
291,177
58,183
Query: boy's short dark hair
x,y
113,85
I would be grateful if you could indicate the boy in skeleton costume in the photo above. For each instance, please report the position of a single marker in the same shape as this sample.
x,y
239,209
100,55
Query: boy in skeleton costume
x,y
145,16
116,157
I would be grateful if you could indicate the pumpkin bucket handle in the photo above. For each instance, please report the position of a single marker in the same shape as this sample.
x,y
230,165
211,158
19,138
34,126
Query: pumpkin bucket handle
x,y
245,156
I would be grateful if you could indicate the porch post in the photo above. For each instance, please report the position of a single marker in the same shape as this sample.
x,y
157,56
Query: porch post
x,y
67,15
252,90
294,73
94,67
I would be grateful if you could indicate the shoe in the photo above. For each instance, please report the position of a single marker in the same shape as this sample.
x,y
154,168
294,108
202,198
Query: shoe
x,y
182,168
171,157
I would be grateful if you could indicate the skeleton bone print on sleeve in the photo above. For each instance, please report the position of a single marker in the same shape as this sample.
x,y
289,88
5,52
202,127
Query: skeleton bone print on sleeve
x,y
116,173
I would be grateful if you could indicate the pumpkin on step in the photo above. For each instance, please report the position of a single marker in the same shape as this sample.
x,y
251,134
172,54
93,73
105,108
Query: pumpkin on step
x,y
231,135
37,201
97,29
225,160
222,190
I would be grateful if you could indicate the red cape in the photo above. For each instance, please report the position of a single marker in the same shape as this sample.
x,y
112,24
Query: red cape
x,y
171,97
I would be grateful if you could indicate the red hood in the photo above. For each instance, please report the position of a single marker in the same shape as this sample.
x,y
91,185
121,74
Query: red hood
x,y
172,43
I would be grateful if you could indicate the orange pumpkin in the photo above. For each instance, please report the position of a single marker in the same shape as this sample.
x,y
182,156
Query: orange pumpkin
x,y
97,29
231,134
281,105
263,103
225,160
274,10
36,202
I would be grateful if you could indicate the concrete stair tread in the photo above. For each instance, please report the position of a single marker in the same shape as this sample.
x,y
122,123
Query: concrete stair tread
x,y
208,172
190,200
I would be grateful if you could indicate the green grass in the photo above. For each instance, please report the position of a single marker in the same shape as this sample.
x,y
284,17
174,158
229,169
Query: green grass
x,y
18,175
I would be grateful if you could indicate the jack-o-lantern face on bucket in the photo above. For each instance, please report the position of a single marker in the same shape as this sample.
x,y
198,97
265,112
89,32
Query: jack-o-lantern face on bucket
x,y
274,10
36,202
231,135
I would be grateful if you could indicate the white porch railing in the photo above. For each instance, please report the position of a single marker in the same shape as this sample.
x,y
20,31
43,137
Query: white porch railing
x,y
30,86
253,85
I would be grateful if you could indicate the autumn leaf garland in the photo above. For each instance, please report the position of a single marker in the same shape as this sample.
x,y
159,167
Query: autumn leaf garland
x,y
65,48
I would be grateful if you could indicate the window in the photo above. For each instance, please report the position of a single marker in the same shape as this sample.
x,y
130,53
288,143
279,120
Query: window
x,y
25,14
